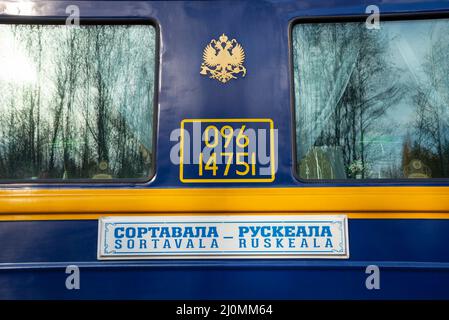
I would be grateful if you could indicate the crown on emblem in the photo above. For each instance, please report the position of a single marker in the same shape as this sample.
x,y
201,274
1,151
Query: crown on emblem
x,y
223,38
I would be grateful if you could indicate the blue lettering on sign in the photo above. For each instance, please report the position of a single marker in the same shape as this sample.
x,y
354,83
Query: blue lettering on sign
x,y
166,232
285,231
248,236
118,232
288,236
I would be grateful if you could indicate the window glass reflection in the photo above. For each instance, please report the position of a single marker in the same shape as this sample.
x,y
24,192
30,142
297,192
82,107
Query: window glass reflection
x,y
372,104
76,103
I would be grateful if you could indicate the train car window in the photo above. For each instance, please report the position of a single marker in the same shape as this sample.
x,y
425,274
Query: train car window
x,y
371,104
76,102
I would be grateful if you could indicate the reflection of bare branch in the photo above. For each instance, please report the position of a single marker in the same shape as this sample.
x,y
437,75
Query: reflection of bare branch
x,y
77,91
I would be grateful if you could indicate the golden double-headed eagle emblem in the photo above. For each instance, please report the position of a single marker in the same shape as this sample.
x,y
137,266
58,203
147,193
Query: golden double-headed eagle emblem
x,y
223,59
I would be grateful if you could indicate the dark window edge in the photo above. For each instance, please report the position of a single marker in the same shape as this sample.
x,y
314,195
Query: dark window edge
x,y
47,20
388,16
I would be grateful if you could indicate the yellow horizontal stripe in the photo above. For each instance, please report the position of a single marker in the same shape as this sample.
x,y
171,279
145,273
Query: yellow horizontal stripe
x,y
369,202
95,216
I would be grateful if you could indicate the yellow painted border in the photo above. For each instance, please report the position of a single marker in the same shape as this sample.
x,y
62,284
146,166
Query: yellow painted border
x,y
96,216
356,202
181,153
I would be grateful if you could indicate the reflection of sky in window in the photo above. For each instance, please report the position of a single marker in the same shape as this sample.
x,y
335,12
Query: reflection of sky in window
x,y
15,66
409,43
18,70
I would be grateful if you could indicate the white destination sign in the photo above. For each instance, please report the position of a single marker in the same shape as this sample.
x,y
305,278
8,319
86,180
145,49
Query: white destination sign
x,y
223,236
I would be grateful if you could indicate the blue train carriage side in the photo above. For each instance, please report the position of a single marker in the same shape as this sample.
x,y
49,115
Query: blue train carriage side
x,y
224,150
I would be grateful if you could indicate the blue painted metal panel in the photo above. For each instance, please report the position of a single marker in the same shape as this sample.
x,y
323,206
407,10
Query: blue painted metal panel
x,y
413,254
393,240
262,27
224,283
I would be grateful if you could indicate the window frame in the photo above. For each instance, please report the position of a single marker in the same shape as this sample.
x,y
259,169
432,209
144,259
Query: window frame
x,y
56,20
389,16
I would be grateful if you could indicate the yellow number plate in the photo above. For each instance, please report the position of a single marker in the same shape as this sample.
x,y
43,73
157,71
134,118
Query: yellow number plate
x,y
227,150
